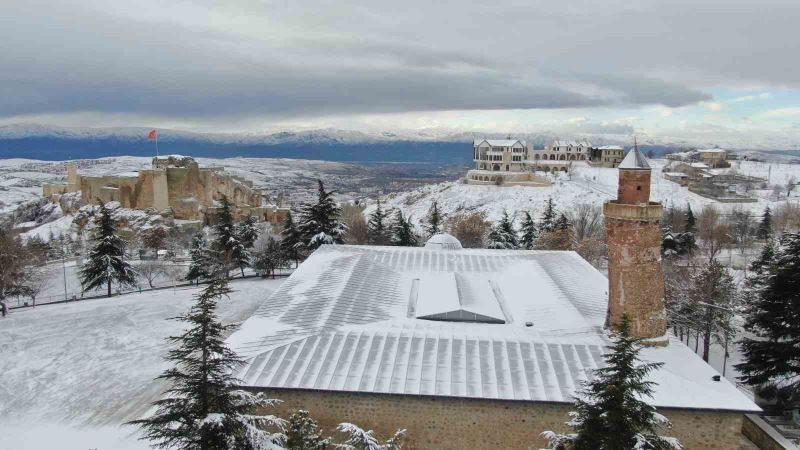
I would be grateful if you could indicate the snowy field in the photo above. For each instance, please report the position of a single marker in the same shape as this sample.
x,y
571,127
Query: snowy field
x,y
592,185
72,373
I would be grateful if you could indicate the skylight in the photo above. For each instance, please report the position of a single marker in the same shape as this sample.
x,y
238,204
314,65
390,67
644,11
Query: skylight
x,y
455,297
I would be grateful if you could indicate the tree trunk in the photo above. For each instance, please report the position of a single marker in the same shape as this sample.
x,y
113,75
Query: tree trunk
x,y
109,288
706,343
242,271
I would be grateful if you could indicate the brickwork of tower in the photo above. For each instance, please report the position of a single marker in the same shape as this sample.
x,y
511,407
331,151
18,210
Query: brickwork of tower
x,y
635,276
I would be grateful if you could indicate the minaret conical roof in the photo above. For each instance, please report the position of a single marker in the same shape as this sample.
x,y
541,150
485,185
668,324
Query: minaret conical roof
x,y
634,160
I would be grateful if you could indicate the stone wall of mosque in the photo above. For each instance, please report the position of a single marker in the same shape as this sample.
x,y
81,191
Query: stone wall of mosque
x,y
442,423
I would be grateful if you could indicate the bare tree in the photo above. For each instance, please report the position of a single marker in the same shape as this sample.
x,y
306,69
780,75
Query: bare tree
x,y
150,270
587,222
741,227
714,235
787,217
357,230
36,280
470,229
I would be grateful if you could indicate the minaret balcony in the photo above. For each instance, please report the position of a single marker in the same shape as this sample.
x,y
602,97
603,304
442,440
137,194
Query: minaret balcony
x,y
650,212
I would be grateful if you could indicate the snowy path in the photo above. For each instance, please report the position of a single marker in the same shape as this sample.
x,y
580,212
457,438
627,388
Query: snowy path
x,y
93,362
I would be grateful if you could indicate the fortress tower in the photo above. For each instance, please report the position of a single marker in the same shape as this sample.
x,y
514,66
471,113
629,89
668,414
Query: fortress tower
x,y
635,277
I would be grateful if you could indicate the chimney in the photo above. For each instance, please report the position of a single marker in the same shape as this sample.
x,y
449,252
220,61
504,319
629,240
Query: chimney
x,y
635,277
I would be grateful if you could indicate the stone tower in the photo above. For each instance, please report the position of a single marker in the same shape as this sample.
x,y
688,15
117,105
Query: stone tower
x,y
635,277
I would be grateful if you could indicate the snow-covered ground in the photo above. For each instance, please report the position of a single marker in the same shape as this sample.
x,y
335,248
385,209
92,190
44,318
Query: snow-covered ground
x,y
72,373
590,185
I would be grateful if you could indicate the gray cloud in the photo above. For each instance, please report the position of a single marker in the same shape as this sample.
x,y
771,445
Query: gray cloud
x,y
282,60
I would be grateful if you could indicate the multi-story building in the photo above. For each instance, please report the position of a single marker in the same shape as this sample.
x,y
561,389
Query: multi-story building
x,y
607,156
499,155
559,150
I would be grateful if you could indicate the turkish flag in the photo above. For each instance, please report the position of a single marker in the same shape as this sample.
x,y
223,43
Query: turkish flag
x,y
152,135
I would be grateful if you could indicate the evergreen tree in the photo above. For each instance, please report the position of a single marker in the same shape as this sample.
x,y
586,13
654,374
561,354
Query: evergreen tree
x,y
303,433
503,235
434,220
269,258
529,232
548,221
762,263
358,439
246,233
12,266
201,259
292,239
691,222
611,413
107,259
203,409
562,223
320,221
377,229
403,231
772,357
226,246
764,230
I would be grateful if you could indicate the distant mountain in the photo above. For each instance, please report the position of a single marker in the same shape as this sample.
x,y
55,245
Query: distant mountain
x,y
441,146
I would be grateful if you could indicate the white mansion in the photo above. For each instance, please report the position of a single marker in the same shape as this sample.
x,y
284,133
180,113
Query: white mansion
x,y
514,162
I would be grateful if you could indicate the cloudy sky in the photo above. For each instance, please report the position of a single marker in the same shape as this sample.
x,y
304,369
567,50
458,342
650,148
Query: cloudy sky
x,y
670,67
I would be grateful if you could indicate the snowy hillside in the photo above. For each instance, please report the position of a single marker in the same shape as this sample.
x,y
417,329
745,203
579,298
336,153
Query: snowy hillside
x,y
588,185
92,363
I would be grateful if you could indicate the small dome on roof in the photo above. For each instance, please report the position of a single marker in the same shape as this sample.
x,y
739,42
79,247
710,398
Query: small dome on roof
x,y
443,241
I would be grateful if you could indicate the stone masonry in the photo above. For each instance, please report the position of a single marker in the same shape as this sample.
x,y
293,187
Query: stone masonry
x,y
635,276
442,423
174,183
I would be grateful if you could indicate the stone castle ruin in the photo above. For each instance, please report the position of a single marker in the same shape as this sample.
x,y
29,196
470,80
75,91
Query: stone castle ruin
x,y
174,183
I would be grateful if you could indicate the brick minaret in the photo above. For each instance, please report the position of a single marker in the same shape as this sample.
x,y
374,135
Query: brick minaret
x,y
635,278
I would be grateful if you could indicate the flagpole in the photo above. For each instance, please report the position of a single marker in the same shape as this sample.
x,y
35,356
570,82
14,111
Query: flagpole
x,y
157,143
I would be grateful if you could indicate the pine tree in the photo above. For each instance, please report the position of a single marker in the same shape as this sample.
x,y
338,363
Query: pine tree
x,y
359,439
503,235
377,229
772,358
548,221
764,230
292,240
246,233
529,232
320,221
226,245
269,258
107,259
691,222
611,413
562,223
203,409
403,231
201,259
12,266
434,220
303,433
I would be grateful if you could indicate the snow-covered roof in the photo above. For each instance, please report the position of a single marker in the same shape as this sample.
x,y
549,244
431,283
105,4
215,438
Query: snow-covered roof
x,y
560,143
475,323
610,147
443,241
712,150
676,174
699,165
634,160
499,142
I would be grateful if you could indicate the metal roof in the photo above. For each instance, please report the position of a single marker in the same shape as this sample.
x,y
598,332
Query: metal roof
x,y
352,318
634,160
